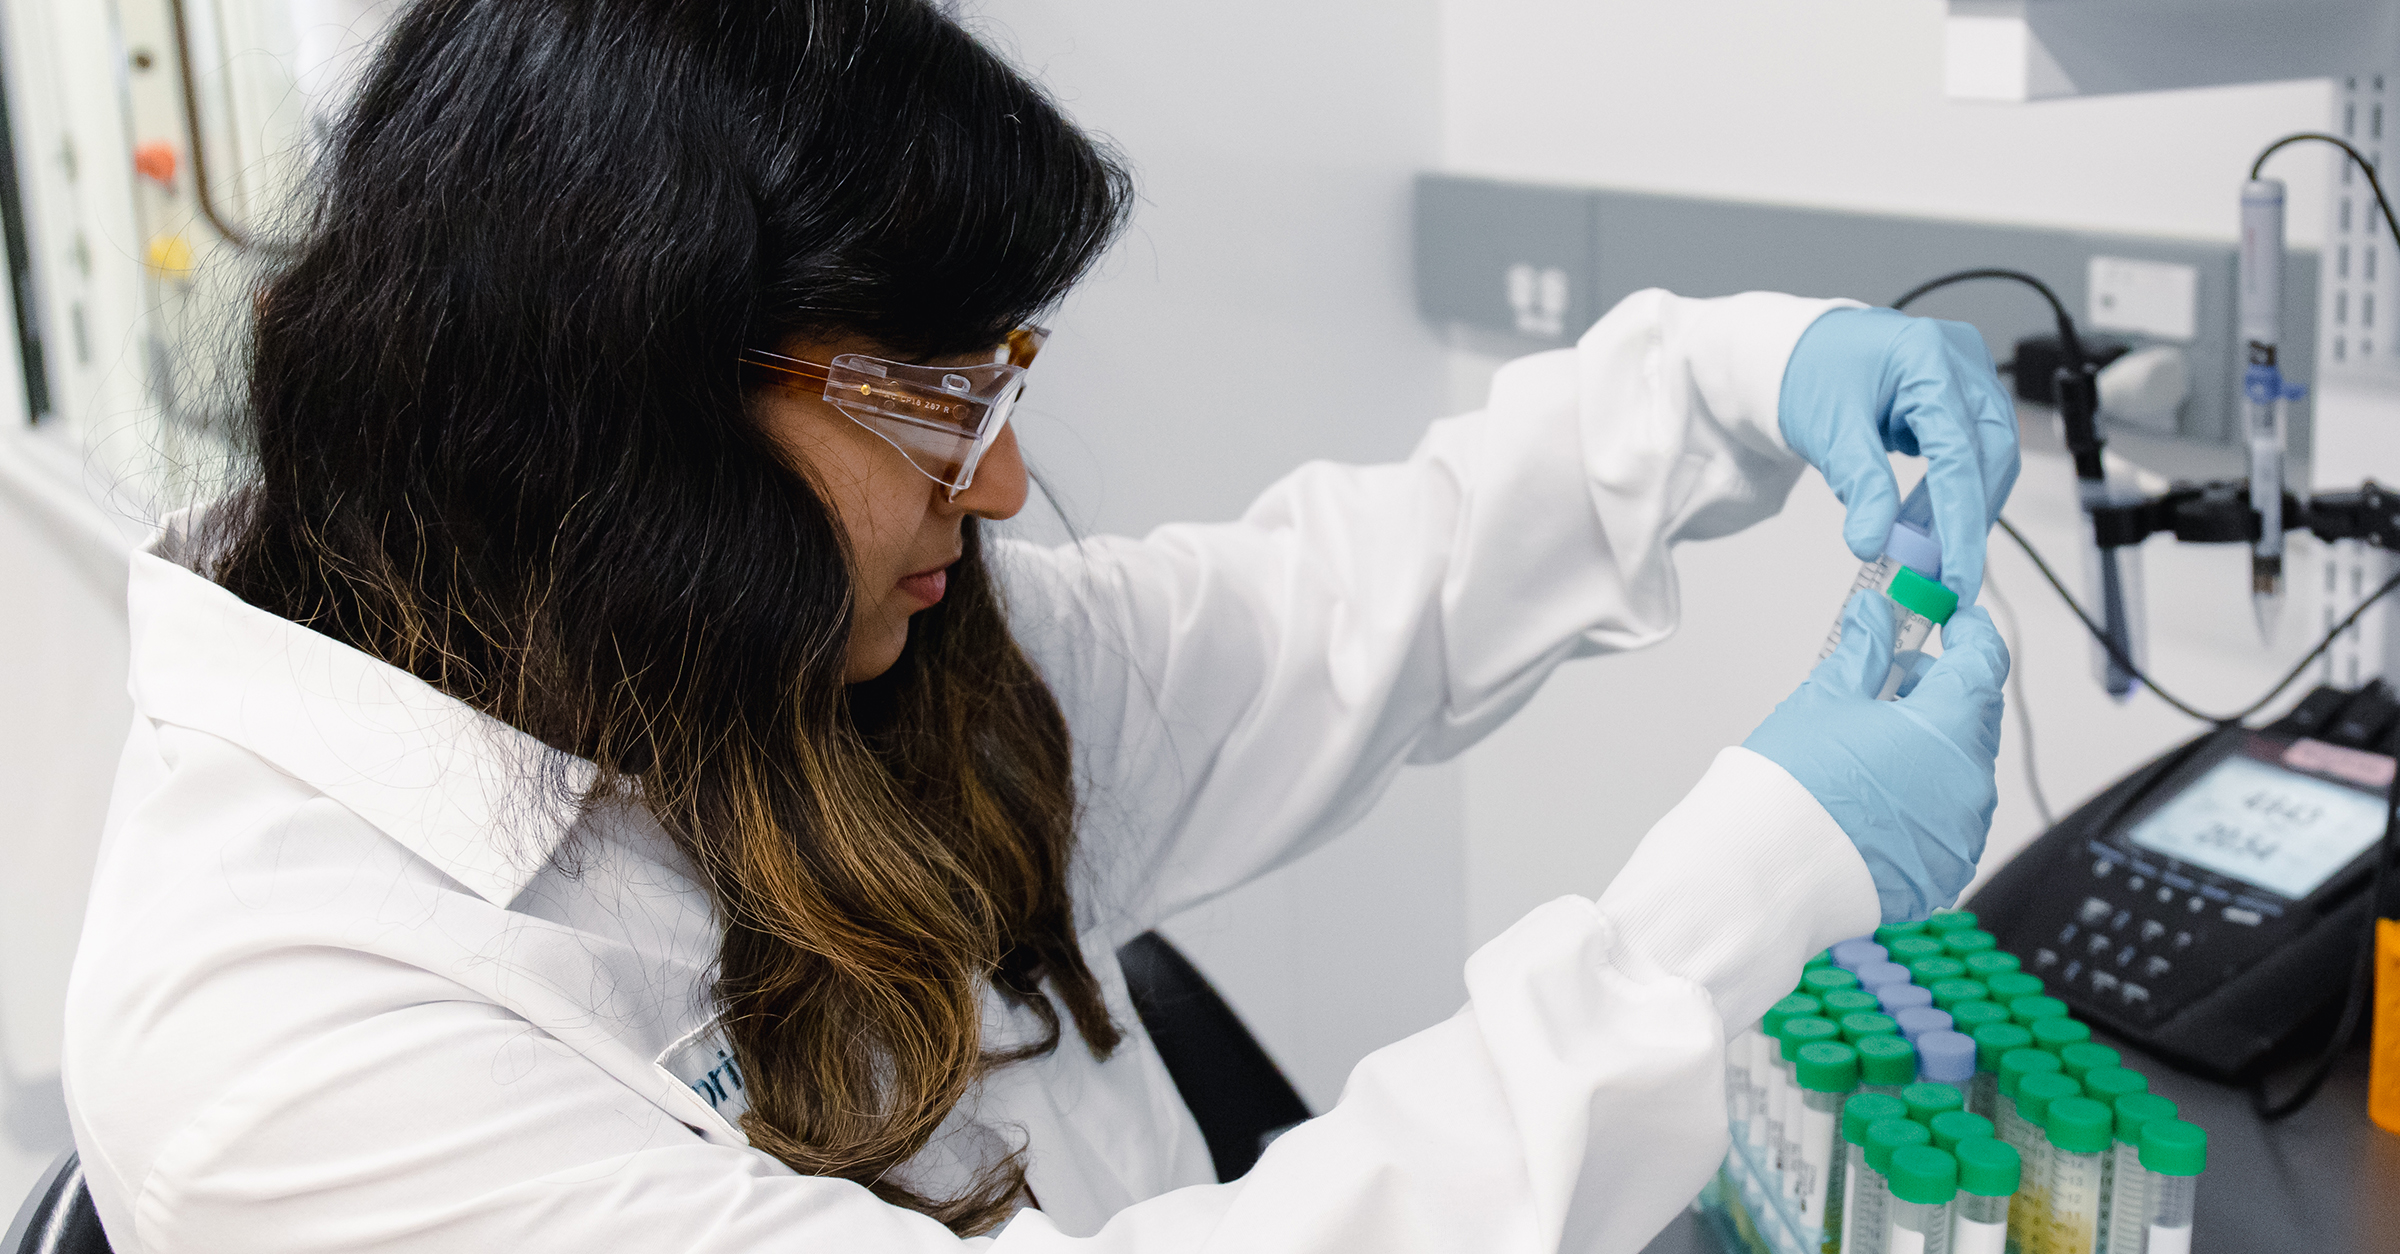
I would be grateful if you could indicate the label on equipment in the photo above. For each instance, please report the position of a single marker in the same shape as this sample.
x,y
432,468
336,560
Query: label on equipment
x,y
1971,1237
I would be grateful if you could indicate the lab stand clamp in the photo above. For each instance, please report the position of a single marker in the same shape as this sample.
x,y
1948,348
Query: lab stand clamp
x,y
2221,512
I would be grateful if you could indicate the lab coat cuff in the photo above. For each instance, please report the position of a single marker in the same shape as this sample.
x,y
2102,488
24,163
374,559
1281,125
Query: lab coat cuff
x,y
1739,348
1740,883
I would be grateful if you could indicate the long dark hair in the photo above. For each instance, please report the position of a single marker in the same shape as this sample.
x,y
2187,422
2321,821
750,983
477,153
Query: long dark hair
x,y
502,442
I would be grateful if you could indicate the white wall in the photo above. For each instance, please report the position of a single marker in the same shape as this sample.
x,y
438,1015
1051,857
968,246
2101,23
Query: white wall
x,y
1836,106
1259,316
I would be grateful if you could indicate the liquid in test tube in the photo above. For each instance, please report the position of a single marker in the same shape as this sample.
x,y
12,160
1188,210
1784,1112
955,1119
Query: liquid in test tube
x,y
2079,1139
2105,1085
1988,1173
2174,1153
2029,1216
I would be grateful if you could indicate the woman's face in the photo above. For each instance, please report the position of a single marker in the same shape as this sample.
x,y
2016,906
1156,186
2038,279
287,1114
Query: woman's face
x,y
904,529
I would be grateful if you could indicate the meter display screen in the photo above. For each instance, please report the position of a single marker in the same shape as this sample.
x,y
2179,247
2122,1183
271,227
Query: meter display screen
x,y
2277,829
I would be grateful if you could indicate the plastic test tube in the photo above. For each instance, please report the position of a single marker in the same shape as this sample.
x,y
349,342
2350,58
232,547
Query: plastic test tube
x,y
2079,1140
1827,1073
2011,985
1946,921
2105,1085
2058,1033
1924,1181
1951,994
1765,1089
1849,1001
1797,1035
1886,1064
1877,976
2083,1057
1908,949
1988,1174
2128,1200
1917,1022
2174,1153
1857,952
1861,1112
1991,1041
1884,1136
1953,1126
2021,1135
2035,1092
1966,1016
1928,1100
1991,962
1905,574
1899,997
1932,971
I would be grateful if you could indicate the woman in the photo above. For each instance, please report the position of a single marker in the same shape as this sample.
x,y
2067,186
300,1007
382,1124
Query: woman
x,y
588,792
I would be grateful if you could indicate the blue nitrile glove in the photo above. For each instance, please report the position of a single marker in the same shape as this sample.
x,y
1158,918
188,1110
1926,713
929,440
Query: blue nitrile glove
x,y
1909,780
1862,382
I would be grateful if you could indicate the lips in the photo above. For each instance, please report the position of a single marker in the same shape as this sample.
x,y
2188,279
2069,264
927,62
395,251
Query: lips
x,y
927,586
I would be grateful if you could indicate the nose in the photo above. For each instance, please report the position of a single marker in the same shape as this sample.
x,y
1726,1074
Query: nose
x,y
999,488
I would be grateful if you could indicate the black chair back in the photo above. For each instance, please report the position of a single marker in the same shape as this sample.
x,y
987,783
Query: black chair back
x,y
1235,1092
57,1217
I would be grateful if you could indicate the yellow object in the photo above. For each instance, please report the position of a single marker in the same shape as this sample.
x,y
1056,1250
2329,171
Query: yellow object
x,y
2383,1081
170,256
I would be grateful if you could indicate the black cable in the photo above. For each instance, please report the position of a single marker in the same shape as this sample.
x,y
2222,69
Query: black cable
x,y
2014,635
2068,341
2365,167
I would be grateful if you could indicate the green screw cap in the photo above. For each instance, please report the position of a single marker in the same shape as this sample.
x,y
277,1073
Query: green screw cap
x,y
1923,1174
1944,922
1864,1024
1848,1001
1821,958
1950,994
1791,1007
1865,1111
1969,941
1887,1060
2107,1084
2016,1064
2172,1147
1991,962
1932,971
1953,1126
1927,1100
1890,932
1988,1168
2036,1091
1968,1016
1826,1068
2077,1125
1907,949
1993,1040
2013,985
2057,1033
1822,980
1886,1135
2029,1010
1912,591
2083,1057
1806,1030
2136,1109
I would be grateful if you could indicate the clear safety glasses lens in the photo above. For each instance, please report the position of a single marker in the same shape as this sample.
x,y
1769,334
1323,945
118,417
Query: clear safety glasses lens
x,y
943,419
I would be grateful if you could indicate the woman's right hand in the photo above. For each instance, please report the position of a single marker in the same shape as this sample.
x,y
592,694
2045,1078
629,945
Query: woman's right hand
x,y
1910,781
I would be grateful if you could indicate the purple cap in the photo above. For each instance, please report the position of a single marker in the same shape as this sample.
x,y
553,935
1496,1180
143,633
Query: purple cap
x,y
1857,952
1875,975
1945,1057
1899,997
1921,1021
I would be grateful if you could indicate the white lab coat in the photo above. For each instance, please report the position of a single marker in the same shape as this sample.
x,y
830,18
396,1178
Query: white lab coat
x,y
355,978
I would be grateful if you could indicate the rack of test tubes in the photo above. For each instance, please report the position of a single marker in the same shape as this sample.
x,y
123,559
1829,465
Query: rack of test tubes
x,y
1918,1094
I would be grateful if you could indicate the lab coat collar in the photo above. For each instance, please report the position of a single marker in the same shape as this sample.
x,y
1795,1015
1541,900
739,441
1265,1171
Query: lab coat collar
x,y
480,800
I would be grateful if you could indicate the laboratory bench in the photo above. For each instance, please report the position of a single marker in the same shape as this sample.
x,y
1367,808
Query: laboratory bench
x,y
2325,1181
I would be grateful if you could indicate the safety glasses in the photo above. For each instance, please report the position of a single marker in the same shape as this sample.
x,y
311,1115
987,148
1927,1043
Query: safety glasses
x,y
943,419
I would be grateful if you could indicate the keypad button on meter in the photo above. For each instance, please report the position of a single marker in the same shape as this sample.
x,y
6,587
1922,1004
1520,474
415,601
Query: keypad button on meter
x,y
2093,910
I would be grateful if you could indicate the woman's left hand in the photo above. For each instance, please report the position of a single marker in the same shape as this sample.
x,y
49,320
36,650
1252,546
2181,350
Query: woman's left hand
x,y
1862,383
